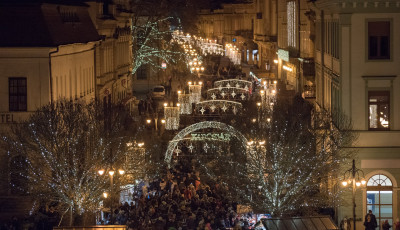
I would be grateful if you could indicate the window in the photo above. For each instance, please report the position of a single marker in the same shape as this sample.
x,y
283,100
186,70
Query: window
x,y
17,94
380,198
379,40
379,110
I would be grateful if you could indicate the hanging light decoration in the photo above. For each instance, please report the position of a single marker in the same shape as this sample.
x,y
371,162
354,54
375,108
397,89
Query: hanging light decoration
x,y
185,104
171,114
195,92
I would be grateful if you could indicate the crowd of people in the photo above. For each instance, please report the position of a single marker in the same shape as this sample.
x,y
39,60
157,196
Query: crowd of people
x,y
179,201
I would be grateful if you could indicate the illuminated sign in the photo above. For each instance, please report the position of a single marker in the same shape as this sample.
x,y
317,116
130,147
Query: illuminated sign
x,y
283,54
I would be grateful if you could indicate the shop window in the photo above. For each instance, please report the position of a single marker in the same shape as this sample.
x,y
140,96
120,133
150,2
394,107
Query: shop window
x,y
17,94
380,198
378,40
379,110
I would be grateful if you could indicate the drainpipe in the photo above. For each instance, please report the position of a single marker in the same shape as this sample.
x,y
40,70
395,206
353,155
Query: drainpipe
x,y
51,75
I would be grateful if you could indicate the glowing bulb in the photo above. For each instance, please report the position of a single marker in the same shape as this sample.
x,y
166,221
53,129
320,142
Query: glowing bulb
x,y
165,104
189,83
358,184
121,171
111,172
101,172
344,183
105,194
140,144
258,103
363,182
179,92
148,121
178,104
163,121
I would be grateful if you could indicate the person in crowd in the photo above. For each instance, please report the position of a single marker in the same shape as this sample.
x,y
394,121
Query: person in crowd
x,y
370,221
386,225
397,224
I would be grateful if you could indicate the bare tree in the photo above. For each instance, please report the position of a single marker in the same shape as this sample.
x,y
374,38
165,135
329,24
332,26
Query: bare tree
x,y
64,145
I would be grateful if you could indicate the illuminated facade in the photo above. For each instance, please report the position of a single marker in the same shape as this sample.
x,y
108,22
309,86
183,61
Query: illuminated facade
x,y
234,25
357,68
296,46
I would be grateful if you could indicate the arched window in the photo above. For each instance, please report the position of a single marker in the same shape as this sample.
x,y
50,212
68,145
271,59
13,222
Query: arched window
x,y
380,198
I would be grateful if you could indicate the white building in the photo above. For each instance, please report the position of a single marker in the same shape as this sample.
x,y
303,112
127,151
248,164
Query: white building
x,y
47,52
357,72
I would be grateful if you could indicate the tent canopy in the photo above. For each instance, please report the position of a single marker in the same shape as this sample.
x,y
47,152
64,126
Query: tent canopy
x,y
300,223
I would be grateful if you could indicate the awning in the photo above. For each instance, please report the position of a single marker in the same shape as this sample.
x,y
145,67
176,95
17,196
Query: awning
x,y
298,223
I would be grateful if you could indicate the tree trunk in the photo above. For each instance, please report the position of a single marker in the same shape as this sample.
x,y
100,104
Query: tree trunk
x,y
71,217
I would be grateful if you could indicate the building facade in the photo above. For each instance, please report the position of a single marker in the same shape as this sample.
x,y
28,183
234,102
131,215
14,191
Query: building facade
x,y
113,21
357,73
77,51
296,46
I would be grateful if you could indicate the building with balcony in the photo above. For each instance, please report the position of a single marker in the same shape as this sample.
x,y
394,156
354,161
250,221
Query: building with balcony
x,y
357,73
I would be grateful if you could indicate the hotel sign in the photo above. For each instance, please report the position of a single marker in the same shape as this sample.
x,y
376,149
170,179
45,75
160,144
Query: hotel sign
x,y
6,118
283,54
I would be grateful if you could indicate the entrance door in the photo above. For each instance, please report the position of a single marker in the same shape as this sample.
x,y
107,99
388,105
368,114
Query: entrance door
x,y
380,198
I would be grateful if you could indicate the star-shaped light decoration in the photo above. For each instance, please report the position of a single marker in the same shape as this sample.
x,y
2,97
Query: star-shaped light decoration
x,y
213,96
243,96
223,94
212,107
219,151
246,88
224,108
202,110
220,87
206,147
177,150
233,94
228,85
237,85
191,147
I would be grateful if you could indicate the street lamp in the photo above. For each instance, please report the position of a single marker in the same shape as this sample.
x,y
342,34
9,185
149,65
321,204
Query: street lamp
x,y
352,176
111,172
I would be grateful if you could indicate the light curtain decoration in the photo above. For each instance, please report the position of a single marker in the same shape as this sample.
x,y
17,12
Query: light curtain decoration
x,y
185,104
171,114
195,93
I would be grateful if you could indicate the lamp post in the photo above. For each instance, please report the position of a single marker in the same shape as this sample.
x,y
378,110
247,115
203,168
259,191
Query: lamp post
x,y
352,176
111,173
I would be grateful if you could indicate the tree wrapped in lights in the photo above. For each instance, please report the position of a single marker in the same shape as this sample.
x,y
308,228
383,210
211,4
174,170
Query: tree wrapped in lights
x,y
304,150
64,144
291,167
151,43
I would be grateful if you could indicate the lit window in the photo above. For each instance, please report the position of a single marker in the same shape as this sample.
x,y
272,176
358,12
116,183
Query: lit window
x,y
380,197
379,110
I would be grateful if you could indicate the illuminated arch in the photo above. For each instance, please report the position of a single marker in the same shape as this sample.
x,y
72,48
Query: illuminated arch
x,y
202,125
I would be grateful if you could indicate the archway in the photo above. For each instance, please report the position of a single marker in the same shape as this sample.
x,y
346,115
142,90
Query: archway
x,y
198,126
